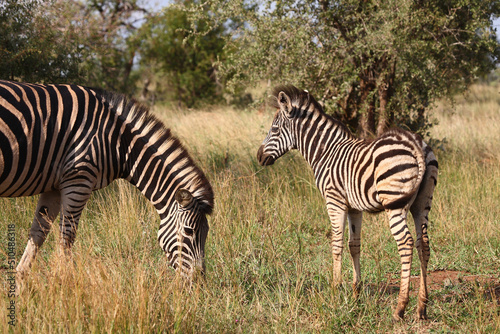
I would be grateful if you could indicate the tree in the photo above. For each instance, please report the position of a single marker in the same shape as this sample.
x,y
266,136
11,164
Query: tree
x,y
109,48
35,45
85,42
188,64
374,63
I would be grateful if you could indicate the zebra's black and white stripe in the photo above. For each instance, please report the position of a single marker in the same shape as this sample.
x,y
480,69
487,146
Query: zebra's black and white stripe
x,y
64,141
396,172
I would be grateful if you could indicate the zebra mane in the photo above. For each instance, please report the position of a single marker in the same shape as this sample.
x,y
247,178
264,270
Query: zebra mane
x,y
303,100
298,97
139,117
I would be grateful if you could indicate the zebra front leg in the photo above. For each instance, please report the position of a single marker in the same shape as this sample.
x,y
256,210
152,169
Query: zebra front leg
x,y
355,218
47,209
337,218
73,199
404,240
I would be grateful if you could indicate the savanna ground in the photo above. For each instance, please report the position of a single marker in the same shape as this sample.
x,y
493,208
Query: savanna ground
x,y
268,257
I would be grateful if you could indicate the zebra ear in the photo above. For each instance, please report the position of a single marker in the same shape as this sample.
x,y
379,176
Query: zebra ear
x,y
183,197
285,103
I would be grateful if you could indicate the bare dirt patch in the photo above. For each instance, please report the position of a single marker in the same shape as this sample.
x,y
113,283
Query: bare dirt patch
x,y
448,281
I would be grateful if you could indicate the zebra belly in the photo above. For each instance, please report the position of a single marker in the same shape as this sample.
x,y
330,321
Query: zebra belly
x,y
367,202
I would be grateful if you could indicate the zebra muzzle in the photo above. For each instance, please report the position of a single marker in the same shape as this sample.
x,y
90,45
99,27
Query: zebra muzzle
x,y
264,159
200,267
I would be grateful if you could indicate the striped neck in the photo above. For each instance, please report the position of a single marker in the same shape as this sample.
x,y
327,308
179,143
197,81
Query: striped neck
x,y
158,175
317,134
152,159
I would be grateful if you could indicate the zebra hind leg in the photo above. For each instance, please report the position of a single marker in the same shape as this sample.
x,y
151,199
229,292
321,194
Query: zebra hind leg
x,y
404,240
355,218
420,210
47,209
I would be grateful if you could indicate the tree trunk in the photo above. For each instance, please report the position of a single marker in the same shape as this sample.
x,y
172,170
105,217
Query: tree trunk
x,y
385,92
366,120
366,127
124,87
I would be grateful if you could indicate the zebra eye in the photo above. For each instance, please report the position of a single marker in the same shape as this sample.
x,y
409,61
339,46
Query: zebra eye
x,y
188,230
275,129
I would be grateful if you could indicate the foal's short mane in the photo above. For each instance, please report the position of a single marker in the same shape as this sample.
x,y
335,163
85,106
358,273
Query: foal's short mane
x,y
298,97
302,99
161,138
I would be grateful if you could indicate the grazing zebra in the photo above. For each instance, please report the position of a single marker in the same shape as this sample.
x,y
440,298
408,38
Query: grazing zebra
x,y
64,141
396,172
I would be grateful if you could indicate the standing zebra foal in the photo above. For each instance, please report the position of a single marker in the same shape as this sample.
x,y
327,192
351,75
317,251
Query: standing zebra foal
x,y
396,172
64,141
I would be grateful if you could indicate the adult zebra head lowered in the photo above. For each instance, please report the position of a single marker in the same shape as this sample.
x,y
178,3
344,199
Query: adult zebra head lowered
x,y
65,141
186,250
396,173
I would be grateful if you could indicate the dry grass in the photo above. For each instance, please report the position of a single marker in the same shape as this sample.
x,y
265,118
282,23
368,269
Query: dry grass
x,y
268,257
472,125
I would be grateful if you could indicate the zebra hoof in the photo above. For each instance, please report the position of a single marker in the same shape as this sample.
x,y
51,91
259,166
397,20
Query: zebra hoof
x,y
422,314
19,283
398,315
356,289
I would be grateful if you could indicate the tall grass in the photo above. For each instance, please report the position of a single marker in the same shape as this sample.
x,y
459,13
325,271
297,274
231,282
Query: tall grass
x,y
268,256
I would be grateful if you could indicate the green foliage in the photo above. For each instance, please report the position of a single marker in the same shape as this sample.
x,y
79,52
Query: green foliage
x,y
374,63
109,48
99,43
35,43
69,41
188,65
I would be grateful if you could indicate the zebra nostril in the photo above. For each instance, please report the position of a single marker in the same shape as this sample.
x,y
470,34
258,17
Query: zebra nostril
x,y
266,160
